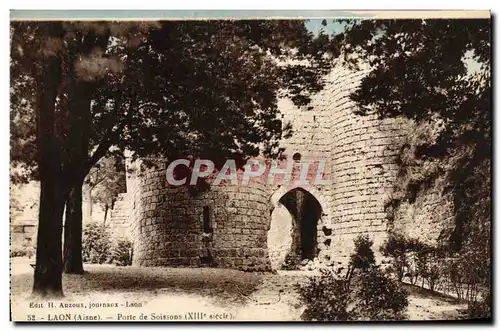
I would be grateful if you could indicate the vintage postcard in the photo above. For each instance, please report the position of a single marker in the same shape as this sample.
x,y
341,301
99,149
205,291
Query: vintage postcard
x,y
221,166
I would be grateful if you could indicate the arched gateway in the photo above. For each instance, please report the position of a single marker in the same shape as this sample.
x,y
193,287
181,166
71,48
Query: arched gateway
x,y
295,221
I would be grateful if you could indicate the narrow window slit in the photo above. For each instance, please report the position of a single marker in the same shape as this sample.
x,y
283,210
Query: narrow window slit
x,y
207,224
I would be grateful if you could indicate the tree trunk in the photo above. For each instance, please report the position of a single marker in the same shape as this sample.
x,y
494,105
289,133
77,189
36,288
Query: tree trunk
x,y
48,270
106,208
73,263
79,118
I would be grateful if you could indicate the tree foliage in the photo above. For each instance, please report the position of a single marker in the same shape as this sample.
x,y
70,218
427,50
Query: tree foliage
x,y
106,180
155,88
169,88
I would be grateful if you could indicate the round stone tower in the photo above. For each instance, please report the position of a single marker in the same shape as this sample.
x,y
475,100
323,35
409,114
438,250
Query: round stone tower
x,y
224,226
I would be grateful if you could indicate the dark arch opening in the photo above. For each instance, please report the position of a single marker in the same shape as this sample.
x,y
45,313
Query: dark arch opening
x,y
306,211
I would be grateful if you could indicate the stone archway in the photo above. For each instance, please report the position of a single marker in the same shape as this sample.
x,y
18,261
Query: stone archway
x,y
295,219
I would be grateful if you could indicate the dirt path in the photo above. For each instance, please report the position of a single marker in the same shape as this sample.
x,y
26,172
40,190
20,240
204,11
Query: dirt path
x,y
427,305
275,299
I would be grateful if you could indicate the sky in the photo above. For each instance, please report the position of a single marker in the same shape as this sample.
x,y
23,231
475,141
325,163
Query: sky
x,y
332,27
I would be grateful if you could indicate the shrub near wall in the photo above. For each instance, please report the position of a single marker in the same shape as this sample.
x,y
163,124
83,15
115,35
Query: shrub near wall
x,y
462,274
362,293
122,252
96,243
22,251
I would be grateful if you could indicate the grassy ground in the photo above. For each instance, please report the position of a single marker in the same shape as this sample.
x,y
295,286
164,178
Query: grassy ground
x,y
243,296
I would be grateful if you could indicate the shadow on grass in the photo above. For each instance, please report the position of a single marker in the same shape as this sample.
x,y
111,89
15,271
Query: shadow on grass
x,y
420,292
217,283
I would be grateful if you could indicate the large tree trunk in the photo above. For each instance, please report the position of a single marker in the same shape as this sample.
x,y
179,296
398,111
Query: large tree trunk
x,y
79,95
73,263
48,270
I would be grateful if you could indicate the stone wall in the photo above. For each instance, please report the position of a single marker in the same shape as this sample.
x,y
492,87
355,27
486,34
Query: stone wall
x,y
430,218
119,218
135,205
23,234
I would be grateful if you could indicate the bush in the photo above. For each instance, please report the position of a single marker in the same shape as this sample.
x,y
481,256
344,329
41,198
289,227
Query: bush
x,y
467,275
409,258
122,252
480,309
363,256
395,247
363,293
22,251
96,243
326,297
17,252
379,297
